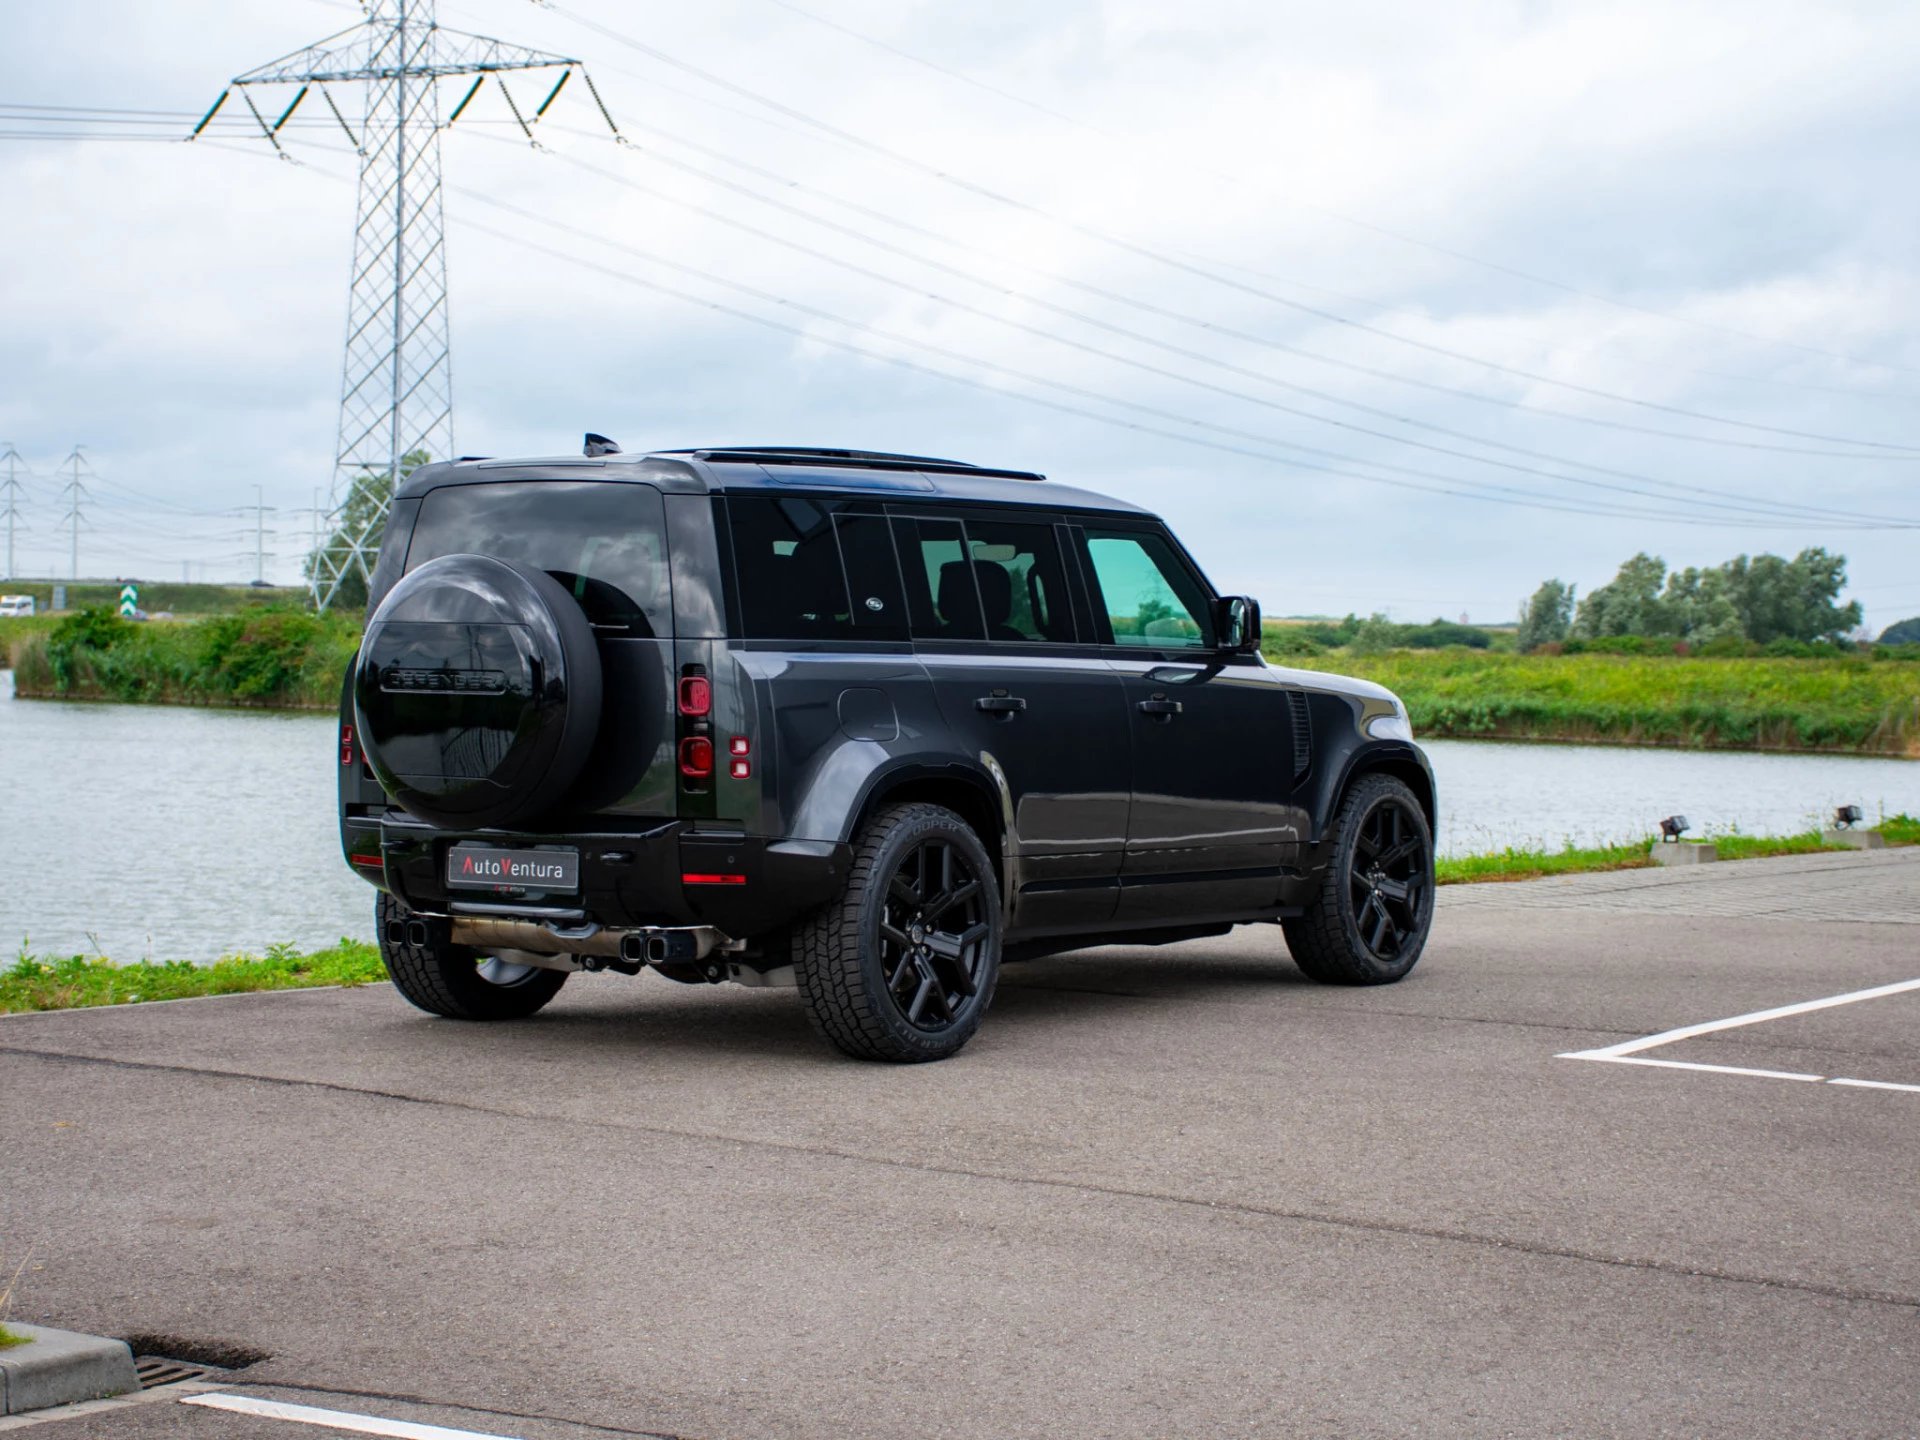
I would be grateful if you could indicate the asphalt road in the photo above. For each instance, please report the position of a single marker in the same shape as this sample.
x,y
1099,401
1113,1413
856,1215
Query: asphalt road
x,y
1165,1192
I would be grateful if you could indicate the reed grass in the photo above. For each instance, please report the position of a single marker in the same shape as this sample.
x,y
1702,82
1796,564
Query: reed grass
x,y
1845,704
278,658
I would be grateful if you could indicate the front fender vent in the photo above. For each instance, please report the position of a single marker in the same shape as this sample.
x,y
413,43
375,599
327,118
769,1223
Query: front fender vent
x,y
1302,734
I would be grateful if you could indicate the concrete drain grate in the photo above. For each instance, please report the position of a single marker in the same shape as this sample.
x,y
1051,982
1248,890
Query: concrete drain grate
x,y
193,1352
157,1370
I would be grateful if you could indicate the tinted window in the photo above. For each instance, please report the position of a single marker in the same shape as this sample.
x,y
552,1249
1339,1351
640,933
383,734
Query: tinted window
x,y
942,596
606,543
1147,596
814,570
1016,564
984,578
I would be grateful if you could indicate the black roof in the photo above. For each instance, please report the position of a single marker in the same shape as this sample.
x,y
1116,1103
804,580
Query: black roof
x,y
736,468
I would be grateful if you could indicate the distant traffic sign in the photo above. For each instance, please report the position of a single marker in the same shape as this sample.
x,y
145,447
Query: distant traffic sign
x,y
129,600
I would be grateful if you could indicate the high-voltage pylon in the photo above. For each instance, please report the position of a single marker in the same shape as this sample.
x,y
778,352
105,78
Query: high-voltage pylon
x,y
396,390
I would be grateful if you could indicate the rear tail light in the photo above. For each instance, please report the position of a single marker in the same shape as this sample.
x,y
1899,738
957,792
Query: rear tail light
x,y
696,695
696,757
738,765
346,745
693,729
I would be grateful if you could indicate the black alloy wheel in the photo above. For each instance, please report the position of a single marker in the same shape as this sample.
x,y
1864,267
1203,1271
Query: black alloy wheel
x,y
1388,874
901,966
1369,916
932,928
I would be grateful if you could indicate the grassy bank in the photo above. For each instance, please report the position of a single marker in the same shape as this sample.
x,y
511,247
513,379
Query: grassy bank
x,y
1848,704
32,983
1574,859
283,658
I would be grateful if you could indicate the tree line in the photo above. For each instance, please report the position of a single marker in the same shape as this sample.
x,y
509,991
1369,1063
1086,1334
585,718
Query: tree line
x,y
1755,600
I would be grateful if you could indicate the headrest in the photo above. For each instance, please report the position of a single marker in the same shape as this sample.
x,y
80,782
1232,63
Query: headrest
x,y
996,591
954,596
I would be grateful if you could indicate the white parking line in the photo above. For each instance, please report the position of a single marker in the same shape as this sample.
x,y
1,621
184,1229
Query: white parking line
x,y
1627,1052
1876,1085
334,1419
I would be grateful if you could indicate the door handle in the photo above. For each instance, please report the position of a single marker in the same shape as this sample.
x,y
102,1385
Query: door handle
x,y
1159,707
1007,705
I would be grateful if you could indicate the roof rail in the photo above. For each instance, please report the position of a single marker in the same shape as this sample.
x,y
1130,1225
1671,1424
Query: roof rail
x,y
853,459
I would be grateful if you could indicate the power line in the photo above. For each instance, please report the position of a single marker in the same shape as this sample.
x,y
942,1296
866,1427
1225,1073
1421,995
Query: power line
x,y
655,84
1238,182
1187,267
1447,485
1031,298
1716,499
1464,489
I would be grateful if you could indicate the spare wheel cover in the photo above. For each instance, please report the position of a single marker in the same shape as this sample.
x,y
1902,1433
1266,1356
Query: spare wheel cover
x,y
477,691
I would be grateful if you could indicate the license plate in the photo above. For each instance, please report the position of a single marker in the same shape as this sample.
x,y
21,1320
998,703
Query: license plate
x,y
483,867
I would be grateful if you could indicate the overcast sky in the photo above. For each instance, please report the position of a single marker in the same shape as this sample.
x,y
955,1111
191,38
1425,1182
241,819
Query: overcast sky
x,y
1705,208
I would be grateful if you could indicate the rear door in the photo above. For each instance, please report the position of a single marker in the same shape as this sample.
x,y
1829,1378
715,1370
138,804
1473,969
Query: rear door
x,y
1213,819
1024,691
822,649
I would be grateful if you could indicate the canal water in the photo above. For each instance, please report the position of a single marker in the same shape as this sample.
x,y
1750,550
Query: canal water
x,y
150,831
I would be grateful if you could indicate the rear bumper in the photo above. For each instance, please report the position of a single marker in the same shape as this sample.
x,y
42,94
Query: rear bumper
x,y
672,875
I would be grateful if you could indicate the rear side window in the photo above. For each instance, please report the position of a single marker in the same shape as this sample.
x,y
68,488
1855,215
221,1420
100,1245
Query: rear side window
x,y
942,596
985,578
1027,599
815,570
606,543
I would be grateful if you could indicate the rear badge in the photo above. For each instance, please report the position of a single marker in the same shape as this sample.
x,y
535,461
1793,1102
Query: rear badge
x,y
481,867
447,681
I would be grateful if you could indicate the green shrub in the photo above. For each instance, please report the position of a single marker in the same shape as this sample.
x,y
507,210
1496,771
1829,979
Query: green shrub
x,y
1289,640
1441,633
1626,645
269,656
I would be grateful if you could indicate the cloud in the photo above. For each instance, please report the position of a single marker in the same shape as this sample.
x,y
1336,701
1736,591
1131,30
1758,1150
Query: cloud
x,y
1723,172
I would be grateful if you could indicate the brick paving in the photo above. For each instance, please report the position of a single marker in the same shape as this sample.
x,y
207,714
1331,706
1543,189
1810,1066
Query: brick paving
x,y
1880,887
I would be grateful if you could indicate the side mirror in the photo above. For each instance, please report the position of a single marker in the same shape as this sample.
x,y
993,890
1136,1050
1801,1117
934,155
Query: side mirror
x,y
1236,620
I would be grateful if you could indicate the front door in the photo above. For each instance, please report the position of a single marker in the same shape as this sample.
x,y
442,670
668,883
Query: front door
x,y
1213,819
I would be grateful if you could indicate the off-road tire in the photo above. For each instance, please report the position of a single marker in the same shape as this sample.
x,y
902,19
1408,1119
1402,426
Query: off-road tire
x,y
838,955
444,979
1326,941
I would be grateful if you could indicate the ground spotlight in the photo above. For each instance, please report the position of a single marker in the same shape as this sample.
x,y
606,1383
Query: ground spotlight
x,y
1846,817
1673,827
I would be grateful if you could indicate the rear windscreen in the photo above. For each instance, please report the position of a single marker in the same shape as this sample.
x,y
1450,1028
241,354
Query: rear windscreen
x,y
606,543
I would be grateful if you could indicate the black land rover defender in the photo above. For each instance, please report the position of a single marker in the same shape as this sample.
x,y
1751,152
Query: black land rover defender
x,y
863,724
